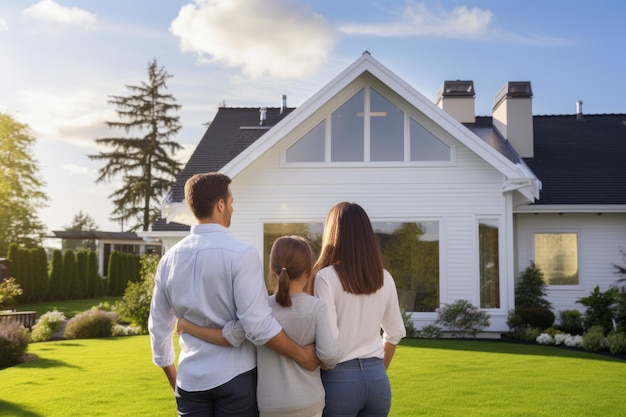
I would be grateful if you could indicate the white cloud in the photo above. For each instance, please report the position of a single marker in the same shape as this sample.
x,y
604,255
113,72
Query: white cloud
x,y
4,26
76,117
51,12
279,38
419,20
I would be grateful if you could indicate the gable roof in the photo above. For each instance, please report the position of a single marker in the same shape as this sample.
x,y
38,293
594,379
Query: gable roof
x,y
230,149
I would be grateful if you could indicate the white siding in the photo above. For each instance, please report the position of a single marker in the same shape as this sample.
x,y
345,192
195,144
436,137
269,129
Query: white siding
x,y
600,239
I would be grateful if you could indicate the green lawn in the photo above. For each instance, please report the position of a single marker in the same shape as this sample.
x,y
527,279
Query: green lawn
x,y
115,377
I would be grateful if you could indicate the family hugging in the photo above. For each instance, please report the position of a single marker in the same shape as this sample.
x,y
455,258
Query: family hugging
x,y
314,348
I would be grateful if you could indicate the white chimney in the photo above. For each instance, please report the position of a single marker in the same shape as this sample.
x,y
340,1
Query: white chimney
x,y
513,116
457,99
283,103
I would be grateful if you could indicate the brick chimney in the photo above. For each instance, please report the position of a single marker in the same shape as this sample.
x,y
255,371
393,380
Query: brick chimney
x,y
457,99
513,116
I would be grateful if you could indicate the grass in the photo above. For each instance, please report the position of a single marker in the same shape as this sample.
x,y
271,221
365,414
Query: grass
x,y
115,376
68,307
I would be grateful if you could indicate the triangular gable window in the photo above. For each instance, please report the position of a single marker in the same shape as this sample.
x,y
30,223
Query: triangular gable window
x,y
368,128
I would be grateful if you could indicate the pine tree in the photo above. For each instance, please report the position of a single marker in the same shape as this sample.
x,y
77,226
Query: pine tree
x,y
81,222
530,290
143,163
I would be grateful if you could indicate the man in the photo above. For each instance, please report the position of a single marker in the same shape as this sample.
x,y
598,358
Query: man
x,y
210,278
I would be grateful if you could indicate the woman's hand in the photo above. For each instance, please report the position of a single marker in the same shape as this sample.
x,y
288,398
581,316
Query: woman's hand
x,y
181,326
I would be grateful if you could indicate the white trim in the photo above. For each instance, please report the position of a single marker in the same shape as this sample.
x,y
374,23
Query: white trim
x,y
572,208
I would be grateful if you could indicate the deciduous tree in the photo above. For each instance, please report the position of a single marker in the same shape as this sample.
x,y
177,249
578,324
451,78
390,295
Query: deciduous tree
x,y
20,187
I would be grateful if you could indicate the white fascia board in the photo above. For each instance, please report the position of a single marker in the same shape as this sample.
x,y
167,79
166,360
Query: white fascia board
x,y
572,208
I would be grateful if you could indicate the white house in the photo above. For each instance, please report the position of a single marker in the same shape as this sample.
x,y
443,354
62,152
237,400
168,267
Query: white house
x,y
457,201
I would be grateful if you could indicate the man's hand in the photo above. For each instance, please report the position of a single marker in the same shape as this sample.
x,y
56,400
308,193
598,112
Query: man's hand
x,y
309,359
303,356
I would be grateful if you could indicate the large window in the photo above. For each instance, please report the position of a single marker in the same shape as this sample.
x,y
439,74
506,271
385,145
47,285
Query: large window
x,y
368,127
410,253
556,255
489,264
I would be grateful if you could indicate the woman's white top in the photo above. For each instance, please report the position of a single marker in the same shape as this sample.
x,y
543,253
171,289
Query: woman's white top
x,y
357,320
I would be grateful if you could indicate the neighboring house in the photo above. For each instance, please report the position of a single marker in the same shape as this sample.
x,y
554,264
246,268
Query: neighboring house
x,y
461,204
107,242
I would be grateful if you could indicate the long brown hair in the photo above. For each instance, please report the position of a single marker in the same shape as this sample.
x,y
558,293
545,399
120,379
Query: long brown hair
x,y
349,244
290,258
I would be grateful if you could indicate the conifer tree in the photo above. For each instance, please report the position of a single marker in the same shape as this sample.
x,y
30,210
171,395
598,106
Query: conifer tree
x,y
530,290
144,163
70,275
56,283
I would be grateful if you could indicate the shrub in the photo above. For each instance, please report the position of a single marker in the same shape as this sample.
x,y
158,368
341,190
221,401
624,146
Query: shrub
x,y
526,333
530,290
594,340
9,292
431,331
539,317
119,330
48,324
600,307
135,305
13,342
89,324
461,318
616,342
571,321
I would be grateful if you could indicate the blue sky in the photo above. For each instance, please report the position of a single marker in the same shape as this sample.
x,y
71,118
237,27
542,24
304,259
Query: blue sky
x,y
61,59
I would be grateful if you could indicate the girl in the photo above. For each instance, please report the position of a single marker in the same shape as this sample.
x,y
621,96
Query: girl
x,y
284,388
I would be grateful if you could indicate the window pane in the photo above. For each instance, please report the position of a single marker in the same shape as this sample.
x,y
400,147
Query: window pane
x,y
347,131
386,129
425,146
312,232
310,148
556,254
411,254
489,265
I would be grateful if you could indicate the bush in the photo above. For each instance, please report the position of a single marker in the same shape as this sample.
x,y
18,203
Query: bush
x,y
616,342
526,333
461,318
600,307
594,340
13,342
90,324
408,323
539,317
430,331
135,305
571,321
48,324
9,292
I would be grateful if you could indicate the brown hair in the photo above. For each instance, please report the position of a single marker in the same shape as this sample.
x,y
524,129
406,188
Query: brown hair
x,y
349,244
202,191
290,258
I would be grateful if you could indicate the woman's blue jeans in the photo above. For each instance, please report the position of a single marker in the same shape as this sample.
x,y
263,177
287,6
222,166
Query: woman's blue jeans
x,y
359,387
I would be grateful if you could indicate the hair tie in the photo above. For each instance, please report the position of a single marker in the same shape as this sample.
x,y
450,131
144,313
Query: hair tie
x,y
283,269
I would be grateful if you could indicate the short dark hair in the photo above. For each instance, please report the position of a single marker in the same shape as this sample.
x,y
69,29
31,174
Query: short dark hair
x,y
349,244
202,191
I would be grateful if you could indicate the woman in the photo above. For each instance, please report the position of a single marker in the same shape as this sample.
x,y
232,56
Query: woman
x,y
361,298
